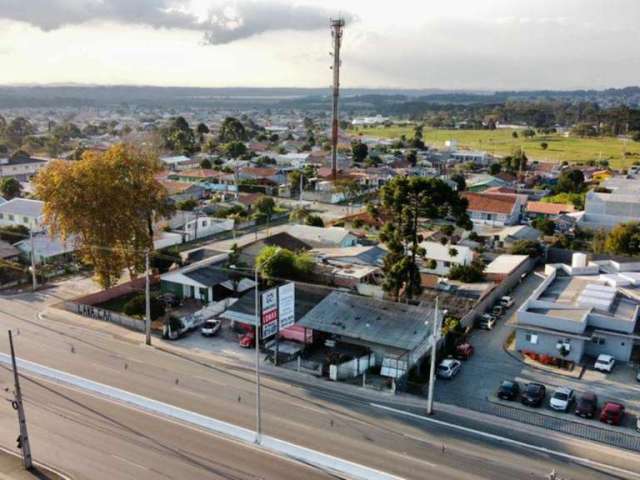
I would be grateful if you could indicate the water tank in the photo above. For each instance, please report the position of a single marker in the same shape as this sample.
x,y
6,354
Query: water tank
x,y
579,260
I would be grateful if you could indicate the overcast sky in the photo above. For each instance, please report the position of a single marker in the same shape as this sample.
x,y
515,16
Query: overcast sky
x,y
451,44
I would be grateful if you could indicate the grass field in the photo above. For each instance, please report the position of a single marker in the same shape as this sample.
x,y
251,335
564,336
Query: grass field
x,y
501,142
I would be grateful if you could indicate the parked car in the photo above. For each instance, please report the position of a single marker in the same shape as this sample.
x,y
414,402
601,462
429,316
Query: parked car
x,y
210,328
604,363
562,399
486,321
508,390
612,413
533,394
638,375
497,311
448,368
586,405
248,340
464,351
638,423
507,301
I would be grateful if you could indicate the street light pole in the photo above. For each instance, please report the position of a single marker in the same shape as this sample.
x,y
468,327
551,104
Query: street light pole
x,y
34,278
435,336
257,339
23,438
147,299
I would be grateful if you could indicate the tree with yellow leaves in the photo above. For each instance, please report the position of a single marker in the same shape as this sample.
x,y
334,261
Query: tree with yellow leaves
x,y
108,202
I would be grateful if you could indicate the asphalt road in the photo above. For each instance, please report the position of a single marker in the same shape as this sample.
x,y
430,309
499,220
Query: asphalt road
x,y
93,438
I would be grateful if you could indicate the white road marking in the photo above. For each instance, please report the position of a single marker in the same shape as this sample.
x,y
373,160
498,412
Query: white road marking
x,y
547,451
318,459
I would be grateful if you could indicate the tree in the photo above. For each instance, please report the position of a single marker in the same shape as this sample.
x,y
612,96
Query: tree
x,y
202,130
349,188
514,134
460,181
405,202
232,130
16,131
137,307
570,181
544,145
515,162
206,164
545,225
495,168
179,137
527,247
108,203
187,205
412,158
624,239
359,151
275,263
298,215
14,233
472,273
10,188
265,206
528,133
234,149
635,136
314,221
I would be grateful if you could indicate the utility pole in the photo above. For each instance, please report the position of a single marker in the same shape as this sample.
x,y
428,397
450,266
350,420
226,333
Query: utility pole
x,y
34,278
147,299
23,438
257,339
435,336
301,186
337,26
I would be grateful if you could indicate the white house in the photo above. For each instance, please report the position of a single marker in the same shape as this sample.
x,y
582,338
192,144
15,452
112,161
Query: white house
x,y
22,211
21,167
442,256
319,237
496,209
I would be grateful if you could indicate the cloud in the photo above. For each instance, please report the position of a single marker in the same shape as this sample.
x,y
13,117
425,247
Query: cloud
x,y
230,22
227,21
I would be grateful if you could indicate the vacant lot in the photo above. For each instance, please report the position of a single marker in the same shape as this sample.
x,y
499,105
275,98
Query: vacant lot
x,y
501,142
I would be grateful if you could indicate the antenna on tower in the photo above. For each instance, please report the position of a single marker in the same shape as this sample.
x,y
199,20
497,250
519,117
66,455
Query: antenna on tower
x,y
337,26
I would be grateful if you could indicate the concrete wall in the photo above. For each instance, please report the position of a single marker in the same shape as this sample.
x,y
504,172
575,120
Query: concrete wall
x,y
547,344
136,285
614,345
90,311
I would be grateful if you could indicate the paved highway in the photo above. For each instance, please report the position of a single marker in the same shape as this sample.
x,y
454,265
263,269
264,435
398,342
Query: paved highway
x,y
340,425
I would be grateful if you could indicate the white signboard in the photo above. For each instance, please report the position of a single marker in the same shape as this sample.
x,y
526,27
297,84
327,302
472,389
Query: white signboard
x,y
269,300
286,305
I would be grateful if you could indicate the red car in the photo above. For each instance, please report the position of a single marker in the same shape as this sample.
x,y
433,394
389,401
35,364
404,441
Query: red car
x,y
248,340
612,413
464,351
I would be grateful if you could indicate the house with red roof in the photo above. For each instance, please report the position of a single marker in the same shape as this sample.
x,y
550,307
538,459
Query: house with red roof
x,y
498,209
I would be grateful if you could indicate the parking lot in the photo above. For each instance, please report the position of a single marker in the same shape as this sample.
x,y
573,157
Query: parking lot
x,y
476,384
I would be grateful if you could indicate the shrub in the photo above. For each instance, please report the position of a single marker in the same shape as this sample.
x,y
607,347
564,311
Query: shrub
x,y
137,307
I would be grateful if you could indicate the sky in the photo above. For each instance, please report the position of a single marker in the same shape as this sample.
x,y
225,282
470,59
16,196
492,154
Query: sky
x,y
448,44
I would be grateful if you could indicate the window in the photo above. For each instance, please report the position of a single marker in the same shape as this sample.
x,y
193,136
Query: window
x,y
597,340
25,219
531,338
11,217
1,215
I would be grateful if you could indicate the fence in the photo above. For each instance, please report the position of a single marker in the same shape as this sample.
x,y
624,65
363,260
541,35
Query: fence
x,y
352,368
96,313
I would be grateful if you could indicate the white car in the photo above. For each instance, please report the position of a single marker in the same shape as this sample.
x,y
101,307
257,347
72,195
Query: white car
x,y
210,328
486,322
604,363
506,301
562,399
449,368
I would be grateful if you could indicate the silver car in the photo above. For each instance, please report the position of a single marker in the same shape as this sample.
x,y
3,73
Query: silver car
x,y
562,399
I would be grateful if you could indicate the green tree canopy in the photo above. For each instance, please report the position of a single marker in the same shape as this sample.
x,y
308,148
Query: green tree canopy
x,y
405,202
624,239
570,181
277,263
232,130
527,247
359,151
10,188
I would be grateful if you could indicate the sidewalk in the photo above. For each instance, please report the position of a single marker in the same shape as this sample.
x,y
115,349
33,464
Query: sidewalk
x,y
11,469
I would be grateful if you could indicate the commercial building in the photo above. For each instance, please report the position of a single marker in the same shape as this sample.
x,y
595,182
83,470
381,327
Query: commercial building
x,y
582,309
620,205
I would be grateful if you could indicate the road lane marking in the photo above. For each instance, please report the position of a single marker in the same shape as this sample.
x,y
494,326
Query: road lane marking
x,y
547,451
320,460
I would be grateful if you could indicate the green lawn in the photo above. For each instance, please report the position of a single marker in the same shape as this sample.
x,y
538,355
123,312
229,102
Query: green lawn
x,y
501,142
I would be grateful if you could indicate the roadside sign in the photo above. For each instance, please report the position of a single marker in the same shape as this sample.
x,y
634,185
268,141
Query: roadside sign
x,y
286,305
269,299
269,313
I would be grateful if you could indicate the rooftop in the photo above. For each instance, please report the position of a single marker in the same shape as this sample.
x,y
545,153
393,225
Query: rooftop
x,y
23,206
490,202
395,325
505,263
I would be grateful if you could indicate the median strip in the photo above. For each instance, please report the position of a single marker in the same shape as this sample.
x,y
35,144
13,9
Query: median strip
x,y
308,456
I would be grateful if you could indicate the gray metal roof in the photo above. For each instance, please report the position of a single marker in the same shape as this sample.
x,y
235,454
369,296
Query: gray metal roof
x,y
377,321
23,206
208,276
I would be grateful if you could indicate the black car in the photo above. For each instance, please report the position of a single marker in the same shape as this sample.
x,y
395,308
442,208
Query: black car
x,y
508,390
533,395
587,405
